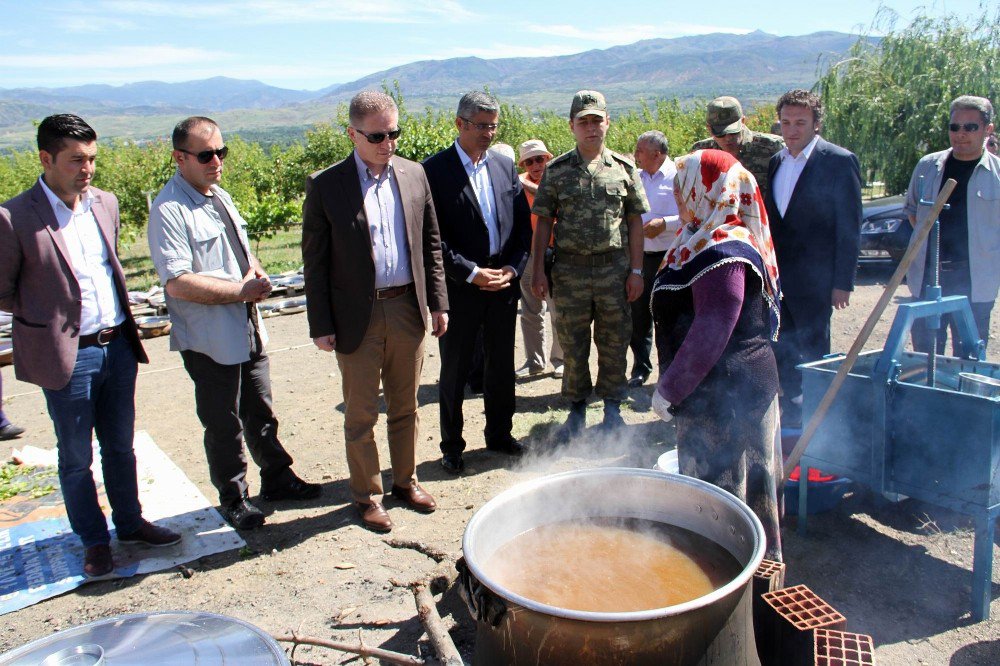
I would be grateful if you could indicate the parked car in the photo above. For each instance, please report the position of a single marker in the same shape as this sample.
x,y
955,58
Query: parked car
x,y
885,228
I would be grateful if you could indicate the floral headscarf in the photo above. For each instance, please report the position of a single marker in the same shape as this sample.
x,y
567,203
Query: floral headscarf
x,y
730,224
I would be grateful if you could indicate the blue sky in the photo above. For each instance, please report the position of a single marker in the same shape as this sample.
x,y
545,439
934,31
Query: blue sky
x,y
314,43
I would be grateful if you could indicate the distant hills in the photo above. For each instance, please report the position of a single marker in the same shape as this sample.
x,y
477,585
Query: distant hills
x,y
755,67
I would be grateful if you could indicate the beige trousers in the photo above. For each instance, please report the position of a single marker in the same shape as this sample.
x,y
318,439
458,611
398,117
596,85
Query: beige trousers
x,y
391,354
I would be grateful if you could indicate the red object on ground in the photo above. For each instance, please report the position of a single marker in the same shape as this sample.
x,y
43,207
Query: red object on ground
x,y
815,476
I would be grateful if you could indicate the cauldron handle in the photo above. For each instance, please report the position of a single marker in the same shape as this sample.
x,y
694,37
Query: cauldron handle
x,y
483,603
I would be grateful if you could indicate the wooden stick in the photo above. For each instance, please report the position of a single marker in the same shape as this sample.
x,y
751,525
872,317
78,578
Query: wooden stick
x,y
852,356
439,637
362,650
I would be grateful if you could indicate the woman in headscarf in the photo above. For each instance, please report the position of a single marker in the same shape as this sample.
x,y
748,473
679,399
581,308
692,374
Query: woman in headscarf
x,y
715,302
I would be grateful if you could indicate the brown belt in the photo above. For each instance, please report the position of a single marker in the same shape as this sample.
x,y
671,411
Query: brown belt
x,y
100,339
602,259
393,292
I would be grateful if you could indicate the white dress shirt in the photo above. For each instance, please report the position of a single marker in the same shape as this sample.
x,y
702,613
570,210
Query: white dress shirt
x,y
479,176
384,210
788,174
99,306
659,189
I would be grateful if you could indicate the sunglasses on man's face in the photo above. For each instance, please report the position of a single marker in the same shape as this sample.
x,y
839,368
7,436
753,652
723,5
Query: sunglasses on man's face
x,y
379,137
205,156
537,159
965,127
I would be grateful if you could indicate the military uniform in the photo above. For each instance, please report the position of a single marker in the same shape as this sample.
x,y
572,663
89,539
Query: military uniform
x,y
756,149
591,264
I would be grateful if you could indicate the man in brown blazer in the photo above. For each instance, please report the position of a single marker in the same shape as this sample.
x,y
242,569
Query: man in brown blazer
x,y
74,334
373,270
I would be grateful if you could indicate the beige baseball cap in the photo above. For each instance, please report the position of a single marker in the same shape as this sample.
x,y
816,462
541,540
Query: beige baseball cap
x,y
531,148
588,103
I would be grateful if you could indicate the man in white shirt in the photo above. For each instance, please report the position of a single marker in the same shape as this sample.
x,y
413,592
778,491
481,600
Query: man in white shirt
x,y
74,335
814,208
659,226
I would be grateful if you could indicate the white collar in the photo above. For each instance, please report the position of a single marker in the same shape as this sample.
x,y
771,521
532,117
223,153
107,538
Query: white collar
x,y
86,199
467,161
802,156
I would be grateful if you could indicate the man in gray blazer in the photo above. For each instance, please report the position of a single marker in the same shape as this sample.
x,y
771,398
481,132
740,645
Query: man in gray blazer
x,y
74,334
373,271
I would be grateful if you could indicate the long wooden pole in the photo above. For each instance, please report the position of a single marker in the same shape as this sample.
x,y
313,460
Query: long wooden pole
x,y
852,356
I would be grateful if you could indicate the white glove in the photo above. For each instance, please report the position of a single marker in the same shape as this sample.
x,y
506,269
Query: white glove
x,y
660,406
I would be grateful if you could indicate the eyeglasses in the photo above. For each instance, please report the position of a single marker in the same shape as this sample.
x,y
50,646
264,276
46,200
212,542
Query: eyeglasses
x,y
482,127
537,159
205,156
964,127
379,137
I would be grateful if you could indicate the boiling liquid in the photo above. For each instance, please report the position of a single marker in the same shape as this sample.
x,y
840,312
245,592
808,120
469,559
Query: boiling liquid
x,y
611,566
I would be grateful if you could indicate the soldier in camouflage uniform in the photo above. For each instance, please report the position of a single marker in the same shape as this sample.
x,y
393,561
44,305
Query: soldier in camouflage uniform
x,y
724,120
599,200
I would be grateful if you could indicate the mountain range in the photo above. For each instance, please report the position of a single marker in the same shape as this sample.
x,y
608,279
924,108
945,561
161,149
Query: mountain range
x,y
754,67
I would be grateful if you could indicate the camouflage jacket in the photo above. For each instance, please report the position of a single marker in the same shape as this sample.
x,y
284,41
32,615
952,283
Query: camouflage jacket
x,y
592,210
756,149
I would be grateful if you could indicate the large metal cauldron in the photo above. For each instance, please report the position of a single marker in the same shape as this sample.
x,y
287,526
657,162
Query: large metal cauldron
x,y
713,629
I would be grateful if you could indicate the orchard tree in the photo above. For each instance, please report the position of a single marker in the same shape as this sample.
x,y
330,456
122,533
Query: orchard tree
x,y
888,101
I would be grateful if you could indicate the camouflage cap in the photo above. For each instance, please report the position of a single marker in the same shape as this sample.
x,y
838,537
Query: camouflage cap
x,y
724,116
588,103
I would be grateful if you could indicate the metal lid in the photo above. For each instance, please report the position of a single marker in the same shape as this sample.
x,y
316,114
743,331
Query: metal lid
x,y
169,638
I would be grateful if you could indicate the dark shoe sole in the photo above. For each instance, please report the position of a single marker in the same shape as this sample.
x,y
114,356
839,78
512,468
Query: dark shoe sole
x,y
140,542
378,529
452,469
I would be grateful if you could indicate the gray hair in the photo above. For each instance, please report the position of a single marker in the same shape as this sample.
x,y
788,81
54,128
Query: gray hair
x,y
656,140
367,102
477,102
973,103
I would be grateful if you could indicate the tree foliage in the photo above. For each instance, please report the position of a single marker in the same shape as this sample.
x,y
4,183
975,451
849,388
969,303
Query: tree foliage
x,y
888,101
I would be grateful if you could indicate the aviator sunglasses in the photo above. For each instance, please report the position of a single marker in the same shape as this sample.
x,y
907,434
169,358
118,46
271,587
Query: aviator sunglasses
x,y
205,156
537,159
967,127
379,137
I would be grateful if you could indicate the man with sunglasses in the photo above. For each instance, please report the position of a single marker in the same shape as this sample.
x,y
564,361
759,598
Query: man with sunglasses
x,y
373,273
485,237
199,247
74,335
970,226
726,123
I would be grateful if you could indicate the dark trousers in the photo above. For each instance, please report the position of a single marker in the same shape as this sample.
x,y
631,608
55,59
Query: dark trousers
x,y
955,281
234,401
641,343
495,314
804,337
99,399
4,421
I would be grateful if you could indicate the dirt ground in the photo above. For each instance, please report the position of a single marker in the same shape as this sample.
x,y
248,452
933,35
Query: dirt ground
x,y
900,572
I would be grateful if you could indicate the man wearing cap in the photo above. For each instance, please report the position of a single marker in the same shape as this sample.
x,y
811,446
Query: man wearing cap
x,y
724,119
599,200
533,158
485,239
659,226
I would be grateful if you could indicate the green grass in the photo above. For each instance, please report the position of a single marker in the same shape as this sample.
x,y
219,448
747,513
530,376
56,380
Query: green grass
x,y
279,254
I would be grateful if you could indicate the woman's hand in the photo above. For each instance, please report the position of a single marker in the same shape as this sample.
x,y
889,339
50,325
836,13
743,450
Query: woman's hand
x,y
661,405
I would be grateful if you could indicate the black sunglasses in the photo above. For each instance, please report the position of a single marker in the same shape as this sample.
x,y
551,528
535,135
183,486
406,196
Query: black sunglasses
x,y
205,156
968,127
537,159
379,137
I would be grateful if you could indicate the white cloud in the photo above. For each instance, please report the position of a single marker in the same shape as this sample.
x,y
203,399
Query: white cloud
x,y
627,34
116,58
303,11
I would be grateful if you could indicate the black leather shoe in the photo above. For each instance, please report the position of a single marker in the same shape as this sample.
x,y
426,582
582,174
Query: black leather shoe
x,y
576,421
292,488
10,431
243,515
612,415
511,447
452,463
637,381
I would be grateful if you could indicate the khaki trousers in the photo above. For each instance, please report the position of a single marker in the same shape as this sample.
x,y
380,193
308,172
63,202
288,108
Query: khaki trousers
x,y
391,354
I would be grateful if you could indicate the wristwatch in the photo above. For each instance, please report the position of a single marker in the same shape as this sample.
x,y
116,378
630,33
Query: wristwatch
x,y
637,271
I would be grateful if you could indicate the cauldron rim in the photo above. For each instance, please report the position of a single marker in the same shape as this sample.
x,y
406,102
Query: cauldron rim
x,y
734,586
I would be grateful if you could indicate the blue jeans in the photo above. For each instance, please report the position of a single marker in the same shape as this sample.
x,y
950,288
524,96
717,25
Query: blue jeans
x,y
99,398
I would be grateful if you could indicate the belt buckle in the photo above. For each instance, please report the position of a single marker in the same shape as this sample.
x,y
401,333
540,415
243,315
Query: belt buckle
x,y
105,336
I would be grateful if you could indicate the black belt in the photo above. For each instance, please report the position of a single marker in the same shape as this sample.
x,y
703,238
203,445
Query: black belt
x,y
100,339
602,259
393,292
656,253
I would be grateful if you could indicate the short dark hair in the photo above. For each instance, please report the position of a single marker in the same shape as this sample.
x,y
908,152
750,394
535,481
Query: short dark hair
x,y
803,98
184,128
973,103
54,130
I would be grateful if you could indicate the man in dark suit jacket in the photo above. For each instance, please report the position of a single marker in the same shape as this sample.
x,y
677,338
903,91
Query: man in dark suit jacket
x,y
373,270
814,208
74,334
485,238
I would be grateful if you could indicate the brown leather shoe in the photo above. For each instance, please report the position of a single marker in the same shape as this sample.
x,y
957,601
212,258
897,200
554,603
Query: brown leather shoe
x,y
97,561
374,516
418,498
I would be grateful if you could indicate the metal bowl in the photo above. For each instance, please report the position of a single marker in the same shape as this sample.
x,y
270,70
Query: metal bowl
x,y
290,305
970,382
151,327
78,655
